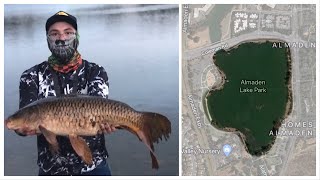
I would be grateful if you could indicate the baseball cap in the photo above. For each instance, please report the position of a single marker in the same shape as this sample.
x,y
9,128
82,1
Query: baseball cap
x,y
62,16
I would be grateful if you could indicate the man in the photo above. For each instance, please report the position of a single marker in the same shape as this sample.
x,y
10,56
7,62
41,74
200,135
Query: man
x,y
65,72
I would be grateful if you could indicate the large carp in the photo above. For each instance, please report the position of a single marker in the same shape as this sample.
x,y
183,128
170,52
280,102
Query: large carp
x,y
79,115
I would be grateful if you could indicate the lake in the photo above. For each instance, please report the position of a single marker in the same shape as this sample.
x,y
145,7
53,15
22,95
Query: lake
x,y
256,95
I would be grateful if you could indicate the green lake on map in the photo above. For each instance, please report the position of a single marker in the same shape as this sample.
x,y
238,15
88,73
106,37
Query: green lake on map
x,y
255,93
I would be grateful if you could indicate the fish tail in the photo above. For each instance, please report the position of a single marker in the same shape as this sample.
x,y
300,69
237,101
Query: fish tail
x,y
156,127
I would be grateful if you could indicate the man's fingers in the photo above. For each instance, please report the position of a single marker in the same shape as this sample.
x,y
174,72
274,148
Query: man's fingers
x,y
29,133
113,128
106,128
101,126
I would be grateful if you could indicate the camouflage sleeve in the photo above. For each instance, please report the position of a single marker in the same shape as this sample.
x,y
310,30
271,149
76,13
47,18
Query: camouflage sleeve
x,y
98,84
28,88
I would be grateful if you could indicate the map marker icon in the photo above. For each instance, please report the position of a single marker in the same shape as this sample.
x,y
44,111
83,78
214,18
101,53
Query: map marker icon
x,y
227,149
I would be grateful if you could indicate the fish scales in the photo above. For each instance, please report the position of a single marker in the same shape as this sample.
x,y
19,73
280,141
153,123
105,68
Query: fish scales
x,y
79,115
77,112
72,110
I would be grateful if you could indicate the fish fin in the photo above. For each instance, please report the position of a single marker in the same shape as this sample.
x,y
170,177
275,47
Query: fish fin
x,y
155,126
142,137
51,138
149,144
128,129
81,148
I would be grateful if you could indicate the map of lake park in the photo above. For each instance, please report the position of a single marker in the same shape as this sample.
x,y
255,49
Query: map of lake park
x,y
248,90
254,96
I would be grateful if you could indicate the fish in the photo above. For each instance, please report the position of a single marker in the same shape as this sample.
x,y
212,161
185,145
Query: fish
x,y
81,115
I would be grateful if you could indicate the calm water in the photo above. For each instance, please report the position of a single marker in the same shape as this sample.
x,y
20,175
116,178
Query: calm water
x,y
140,54
253,113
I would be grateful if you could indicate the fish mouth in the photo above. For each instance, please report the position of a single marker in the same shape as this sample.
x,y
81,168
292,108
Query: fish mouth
x,y
12,126
8,124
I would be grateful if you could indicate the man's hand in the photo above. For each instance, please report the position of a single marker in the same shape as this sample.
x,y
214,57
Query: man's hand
x,y
106,128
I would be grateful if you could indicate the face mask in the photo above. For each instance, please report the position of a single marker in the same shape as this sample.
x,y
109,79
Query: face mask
x,y
63,49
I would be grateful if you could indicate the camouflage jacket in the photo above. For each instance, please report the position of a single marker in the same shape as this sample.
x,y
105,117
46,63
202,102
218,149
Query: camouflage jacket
x,y
37,83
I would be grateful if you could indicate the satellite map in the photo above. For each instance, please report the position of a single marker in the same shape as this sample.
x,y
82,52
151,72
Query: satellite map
x,y
248,90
